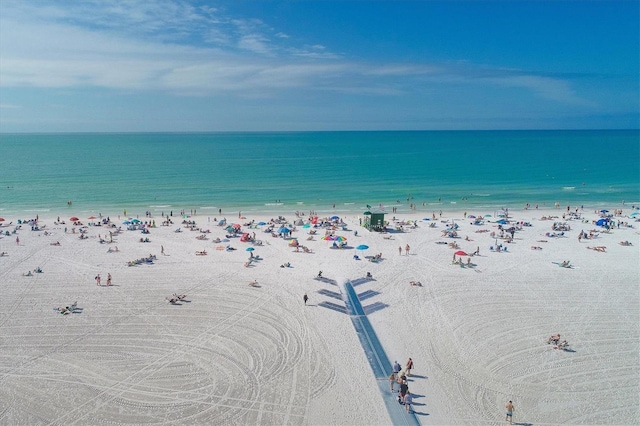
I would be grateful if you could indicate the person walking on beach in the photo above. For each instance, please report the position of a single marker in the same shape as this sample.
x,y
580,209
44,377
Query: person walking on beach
x,y
510,408
98,279
305,298
396,367
400,250
406,250
408,400
409,366
109,278
392,380
404,388
162,250
18,240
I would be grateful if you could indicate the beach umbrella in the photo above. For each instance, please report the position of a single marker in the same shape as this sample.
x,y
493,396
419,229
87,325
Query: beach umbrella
x,y
237,226
306,226
126,222
92,217
632,215
461,253
261,223
328,238
74,219
471,216
604,211
362,247
135,220
1,219
284,230
250,249
487,215
340,238
601,222
334,217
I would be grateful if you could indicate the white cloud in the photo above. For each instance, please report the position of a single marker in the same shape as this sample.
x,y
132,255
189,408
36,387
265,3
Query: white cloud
x,y
173,46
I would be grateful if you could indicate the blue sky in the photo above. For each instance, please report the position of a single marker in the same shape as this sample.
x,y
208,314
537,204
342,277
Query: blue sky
x,y
239,65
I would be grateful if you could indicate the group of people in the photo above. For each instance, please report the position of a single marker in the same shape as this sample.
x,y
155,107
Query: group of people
x,y
99,279
175,298
399,376
407,248
555,340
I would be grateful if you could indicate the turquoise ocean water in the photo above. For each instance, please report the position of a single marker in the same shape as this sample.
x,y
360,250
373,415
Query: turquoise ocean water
x,y
284,172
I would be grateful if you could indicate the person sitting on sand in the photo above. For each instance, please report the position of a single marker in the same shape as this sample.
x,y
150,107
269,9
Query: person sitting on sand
x,y
57,243
369,275
554,339
320,274
28,274
566,264
415,283
4,253
625,243
38,270
254,283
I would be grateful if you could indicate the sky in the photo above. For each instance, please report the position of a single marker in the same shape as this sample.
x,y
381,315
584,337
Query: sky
x,y
307,65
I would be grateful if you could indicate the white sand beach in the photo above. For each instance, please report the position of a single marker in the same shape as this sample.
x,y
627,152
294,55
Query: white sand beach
x,y
232,353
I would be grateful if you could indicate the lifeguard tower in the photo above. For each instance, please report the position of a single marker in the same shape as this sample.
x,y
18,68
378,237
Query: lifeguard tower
x,y
374,220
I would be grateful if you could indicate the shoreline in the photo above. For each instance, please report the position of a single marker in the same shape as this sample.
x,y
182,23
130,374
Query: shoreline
x,y
291,209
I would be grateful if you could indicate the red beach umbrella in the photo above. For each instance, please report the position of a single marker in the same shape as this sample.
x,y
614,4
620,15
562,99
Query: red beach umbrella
x,y
1,219
461,253
74,219
91,217
237,226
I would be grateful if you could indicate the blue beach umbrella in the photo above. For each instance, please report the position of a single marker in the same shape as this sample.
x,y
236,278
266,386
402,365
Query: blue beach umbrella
x,y
250,249
334,217
634,214
261,223
284,230
362,247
